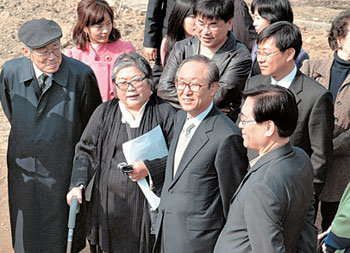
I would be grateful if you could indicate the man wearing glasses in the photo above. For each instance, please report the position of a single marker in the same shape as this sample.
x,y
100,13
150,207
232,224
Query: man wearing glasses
x,y
278,46
214,40
48,99
272,208
205,165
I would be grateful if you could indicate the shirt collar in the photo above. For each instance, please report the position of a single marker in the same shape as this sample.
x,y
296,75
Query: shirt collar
x,y
38,72
287,80
199,118
127,116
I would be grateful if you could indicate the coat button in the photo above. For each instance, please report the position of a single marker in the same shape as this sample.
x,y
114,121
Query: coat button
x,y
108,58
338,102
336,119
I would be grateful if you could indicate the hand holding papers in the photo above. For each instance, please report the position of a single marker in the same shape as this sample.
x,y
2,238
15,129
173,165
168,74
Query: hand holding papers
x,y
149,146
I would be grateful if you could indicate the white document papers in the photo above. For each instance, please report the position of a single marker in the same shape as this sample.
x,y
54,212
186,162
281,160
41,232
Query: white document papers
x,y
149,146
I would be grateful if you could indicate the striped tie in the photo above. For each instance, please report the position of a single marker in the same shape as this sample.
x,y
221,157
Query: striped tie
x,y
42,83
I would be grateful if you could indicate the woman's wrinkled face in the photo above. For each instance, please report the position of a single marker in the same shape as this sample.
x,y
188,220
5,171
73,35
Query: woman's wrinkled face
x,y
132,88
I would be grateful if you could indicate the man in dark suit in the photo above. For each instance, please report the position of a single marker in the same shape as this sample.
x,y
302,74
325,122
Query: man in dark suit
x,y
48,99
278,46
206,163
270,209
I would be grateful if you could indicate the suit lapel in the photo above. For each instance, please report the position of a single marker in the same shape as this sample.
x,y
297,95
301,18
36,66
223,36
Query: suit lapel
x,y
297,86
273,154
180,121
197,142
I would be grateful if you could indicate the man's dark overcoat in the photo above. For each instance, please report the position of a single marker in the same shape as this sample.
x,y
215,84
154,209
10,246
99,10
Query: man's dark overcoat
x,y
44,131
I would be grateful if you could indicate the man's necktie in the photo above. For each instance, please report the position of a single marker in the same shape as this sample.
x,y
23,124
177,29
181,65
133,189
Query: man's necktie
x,y
184,139
42,83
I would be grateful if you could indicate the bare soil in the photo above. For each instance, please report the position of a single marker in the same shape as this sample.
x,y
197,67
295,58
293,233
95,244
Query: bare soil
x,y
313,18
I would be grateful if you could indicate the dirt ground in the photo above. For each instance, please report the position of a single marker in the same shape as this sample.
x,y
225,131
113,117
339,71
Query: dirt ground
x,y
313,18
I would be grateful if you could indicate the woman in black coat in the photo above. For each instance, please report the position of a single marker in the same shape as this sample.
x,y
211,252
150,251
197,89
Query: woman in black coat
x,y
118,213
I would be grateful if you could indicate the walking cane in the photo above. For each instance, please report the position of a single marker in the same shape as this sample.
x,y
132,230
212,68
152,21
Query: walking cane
x,y
73,210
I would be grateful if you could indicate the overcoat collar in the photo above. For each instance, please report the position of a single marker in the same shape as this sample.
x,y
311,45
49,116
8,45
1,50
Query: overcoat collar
x,y
60,77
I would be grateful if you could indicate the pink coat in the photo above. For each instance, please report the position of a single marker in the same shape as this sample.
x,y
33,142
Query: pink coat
x,y
102,62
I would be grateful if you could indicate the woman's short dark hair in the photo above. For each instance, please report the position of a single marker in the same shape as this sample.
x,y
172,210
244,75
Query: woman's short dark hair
x,y
176,31
273,10
286,34
215,9
212,74
133,59
91,12
340,28
275,103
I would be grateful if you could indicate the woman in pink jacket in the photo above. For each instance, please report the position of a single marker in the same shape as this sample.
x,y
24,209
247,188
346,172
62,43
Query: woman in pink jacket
x,y
97,42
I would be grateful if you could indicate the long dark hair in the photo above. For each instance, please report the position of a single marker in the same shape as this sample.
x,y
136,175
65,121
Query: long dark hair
x,y
91,12
176,32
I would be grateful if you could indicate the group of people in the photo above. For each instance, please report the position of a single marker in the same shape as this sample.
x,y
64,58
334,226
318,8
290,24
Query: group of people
x,y
256,134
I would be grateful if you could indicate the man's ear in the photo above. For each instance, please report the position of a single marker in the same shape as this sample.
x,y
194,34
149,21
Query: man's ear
x,y
229,24
213,88
271,128
26,52
290,54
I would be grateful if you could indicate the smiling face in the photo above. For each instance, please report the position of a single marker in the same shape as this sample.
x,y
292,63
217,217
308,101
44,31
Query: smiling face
x,y
252,132
132,98
195,102
48,58
211,32
99,33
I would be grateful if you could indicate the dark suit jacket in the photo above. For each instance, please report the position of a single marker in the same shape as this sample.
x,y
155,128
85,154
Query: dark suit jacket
x,y
194,204
315,122
268,210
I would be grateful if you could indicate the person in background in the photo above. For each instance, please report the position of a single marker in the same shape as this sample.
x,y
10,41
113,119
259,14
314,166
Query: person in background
x,y
269,210
156,25
206,163
278,47
334,74
98,42
265,13
214,40
48,99
119,218
181,26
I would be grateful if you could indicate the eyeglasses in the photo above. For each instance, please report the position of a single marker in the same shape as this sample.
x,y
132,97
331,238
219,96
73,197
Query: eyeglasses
x,y
46,53
244,122
212,27
193,86
265,54
136,83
